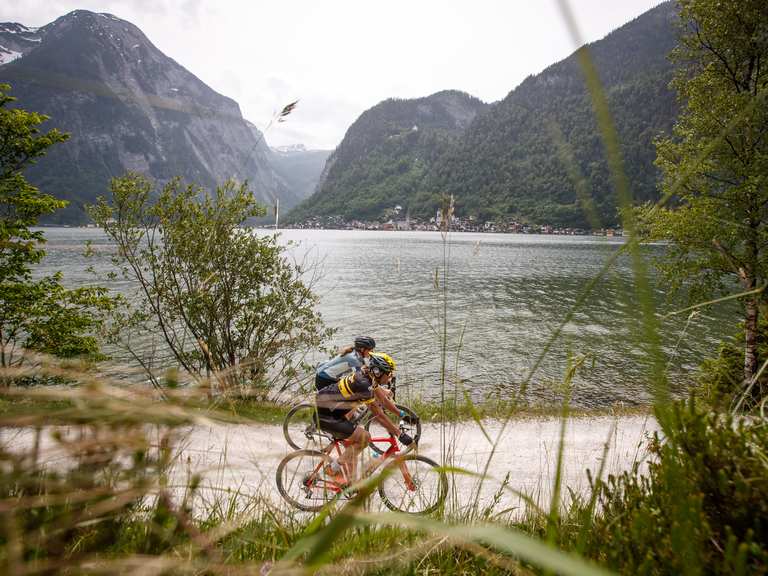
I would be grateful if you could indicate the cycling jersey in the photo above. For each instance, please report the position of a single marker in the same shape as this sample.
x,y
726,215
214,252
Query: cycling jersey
x,y
335,400
337,366
344,394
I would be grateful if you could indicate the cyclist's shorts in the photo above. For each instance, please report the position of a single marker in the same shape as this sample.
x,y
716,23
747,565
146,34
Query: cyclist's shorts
x,y
321,381
334,422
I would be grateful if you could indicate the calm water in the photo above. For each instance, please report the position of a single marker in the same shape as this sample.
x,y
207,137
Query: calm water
x,y
506,296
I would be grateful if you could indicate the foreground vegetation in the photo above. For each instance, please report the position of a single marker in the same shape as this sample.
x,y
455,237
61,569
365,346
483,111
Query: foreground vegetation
x,y
102,495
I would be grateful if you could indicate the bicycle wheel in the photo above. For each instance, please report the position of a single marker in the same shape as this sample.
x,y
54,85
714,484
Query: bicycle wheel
x,y
302,482
410,424
413,484
300,429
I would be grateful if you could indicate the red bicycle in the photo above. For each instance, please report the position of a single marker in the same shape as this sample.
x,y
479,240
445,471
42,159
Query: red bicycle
x,y
410,482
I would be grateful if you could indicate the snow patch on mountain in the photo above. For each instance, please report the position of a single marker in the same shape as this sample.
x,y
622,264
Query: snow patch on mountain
x,y
7,55
16,28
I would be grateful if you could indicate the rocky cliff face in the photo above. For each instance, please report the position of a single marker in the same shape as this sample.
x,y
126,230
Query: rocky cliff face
x,y
127,106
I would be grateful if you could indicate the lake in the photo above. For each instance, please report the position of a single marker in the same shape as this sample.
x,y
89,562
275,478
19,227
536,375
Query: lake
x,y
506,296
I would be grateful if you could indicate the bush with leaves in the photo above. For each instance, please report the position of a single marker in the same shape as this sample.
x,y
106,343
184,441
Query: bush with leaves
x,y
702,507
231,307
35,313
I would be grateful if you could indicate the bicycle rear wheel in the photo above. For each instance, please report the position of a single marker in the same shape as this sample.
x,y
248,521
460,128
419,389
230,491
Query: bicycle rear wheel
x,y
301,480
413,484
410,424
300,428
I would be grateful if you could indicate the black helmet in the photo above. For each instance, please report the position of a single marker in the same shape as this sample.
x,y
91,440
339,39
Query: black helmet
x,y
365,342
383,362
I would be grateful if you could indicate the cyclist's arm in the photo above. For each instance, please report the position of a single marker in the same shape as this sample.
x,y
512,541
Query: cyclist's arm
x,y
378,413
384,398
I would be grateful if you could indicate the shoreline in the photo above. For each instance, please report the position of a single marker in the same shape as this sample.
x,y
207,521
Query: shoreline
x,y
245,411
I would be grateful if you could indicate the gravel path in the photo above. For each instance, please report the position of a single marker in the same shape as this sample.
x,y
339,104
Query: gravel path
x,y
245,457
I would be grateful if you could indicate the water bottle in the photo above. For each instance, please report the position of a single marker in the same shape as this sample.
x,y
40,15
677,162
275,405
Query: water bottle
x,y
358,413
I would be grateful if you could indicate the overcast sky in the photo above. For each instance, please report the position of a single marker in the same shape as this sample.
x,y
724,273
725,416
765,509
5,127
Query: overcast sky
x,y
341,57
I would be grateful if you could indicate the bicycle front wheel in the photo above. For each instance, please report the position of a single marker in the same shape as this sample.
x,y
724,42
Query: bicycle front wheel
x,y
300,428
413,484
301,480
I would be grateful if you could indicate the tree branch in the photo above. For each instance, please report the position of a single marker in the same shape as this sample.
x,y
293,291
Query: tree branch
x,y
738,268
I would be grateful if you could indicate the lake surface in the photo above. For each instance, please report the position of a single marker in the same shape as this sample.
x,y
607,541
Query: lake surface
x,y
506,296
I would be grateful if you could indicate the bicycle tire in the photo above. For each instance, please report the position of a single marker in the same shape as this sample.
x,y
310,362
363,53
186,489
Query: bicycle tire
x,y
429,492
413,429
296,484
299,427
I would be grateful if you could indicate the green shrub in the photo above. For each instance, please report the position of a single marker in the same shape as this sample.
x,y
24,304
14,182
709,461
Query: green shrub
x,y
701,508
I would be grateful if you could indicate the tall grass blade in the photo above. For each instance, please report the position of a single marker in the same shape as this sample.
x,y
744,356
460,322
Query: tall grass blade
x,y
476,417
506,540
649,335
588,514
715,301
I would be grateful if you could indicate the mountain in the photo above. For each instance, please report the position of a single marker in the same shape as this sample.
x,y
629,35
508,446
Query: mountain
x,y
386,154
508,162
127,106
299,167
16,40
516,158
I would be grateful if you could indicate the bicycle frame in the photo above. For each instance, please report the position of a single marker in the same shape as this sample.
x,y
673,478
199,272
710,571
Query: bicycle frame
x,y
335,445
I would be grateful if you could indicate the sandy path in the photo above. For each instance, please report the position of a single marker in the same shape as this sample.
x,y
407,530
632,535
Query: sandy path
x,y
245,457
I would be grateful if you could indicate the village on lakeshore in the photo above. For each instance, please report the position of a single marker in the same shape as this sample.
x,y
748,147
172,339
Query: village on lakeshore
x,y
458,224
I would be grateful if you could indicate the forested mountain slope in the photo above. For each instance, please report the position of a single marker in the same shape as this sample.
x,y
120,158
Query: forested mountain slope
x,y
507,163
386,154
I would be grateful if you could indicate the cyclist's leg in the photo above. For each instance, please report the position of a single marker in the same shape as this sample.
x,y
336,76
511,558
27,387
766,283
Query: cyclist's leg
x,y
358,441
335,423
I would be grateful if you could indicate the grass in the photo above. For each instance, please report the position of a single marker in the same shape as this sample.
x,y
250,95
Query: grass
x,y
498,409
108,500
246,410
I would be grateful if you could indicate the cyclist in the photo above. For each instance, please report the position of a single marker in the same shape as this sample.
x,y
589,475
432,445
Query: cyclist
x,y
348,359
337,408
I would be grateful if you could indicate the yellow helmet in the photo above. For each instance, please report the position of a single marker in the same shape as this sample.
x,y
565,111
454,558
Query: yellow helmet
x,y
382,361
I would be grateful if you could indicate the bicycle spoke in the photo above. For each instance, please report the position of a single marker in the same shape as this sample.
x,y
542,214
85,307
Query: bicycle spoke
x,y
300,428
301,480
413,485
